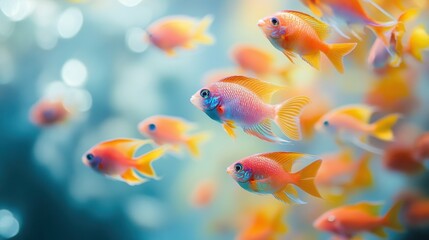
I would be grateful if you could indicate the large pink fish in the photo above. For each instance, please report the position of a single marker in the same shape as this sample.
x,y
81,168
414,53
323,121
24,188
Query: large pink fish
x,y
242,101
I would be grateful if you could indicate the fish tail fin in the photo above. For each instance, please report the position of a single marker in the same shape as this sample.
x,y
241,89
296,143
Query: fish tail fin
x,y
383,127
363,175
419,41
287,116
144,162
391,218
337,52
306,178
201,35
193,142
380,30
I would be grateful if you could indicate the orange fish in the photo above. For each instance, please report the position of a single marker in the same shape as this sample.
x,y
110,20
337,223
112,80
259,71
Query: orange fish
x,y
295,32
350,220
401,158
270,173
416,209
264,225
421,147
48,112
173,131
339,170
115,158
179,31
203,194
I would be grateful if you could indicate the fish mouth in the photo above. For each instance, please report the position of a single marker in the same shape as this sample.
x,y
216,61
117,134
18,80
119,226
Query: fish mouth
x,y
195,101
261,23
229,170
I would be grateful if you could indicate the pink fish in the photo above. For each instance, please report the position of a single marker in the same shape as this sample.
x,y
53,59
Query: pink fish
x,y
242,101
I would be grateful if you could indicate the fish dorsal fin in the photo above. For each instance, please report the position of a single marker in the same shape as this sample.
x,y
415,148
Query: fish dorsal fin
x,y
286,159
359,112
263,89
368,207
322,29
127,146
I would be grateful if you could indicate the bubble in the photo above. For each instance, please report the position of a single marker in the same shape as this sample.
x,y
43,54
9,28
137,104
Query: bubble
x,y
17,10
145,211
9,226
70,22
78,100
74,73
7,66
130,3
46,33
135,40
55,90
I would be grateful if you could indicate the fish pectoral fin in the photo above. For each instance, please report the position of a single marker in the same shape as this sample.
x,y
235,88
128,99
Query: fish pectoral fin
x,y
229,128
290,55
313,59
132,178
144,162
288,195
264,132
379,232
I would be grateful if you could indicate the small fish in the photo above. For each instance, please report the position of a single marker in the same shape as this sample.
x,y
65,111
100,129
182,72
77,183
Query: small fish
x,y
421,147
270,173
355,119
48,112
401,158
419,41
264,225
416,209
296,32
203,194
115,158
172,131
338,170
352,12
243,101
179,31
350,220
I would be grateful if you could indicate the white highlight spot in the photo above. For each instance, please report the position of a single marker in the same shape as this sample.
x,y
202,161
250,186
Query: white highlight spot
x,y
70,22
146,211
9,226
17,10
74,73
78,100
130,3
135,40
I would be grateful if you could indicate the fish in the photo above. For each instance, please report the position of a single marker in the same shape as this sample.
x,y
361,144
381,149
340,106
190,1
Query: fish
x,y
115,158
173,32
350,220
351,12
270,173
242,101
294,32
264,224
401,158
421,147
49,112
354,119
416,208
419,41
203,194
339,170
172,131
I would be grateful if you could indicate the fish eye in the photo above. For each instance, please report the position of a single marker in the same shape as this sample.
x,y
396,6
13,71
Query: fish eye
x,y
331,218
90,156
326,123
238,167
205,93
274,21
152,127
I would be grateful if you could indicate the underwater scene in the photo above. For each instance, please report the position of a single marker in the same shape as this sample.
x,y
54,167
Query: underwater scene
x,y
215,119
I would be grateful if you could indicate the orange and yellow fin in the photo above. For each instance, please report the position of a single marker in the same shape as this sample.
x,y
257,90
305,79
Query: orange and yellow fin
x,y
380,29
313,60
419,41
287,116
201,35
144,162
285,159
322,29
391,218
371,208
132,178
264,90
288,195
306,178
193,142
336,53
229,127
383,127
363,175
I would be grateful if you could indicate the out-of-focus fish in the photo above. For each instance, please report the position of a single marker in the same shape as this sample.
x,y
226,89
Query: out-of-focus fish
x,y
416,208
296,32
355,119
172,131
350,220
179,31
401,158
340,171
419,41
203,194
48,112
351,12
421,147
270,173
263,225
115,158
243,101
